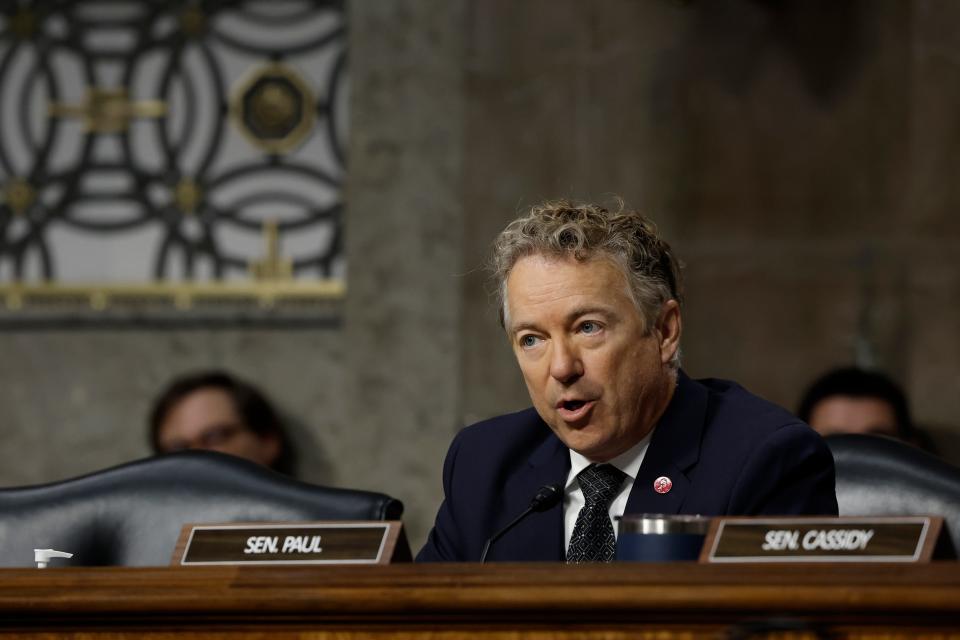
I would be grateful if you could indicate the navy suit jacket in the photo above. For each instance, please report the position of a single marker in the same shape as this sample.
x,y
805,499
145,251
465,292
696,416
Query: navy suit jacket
x,y
727,452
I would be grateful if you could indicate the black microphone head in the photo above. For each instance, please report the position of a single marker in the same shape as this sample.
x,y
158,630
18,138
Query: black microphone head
x,y
547,496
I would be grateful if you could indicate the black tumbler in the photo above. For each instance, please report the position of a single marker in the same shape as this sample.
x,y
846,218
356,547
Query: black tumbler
x,y
652,537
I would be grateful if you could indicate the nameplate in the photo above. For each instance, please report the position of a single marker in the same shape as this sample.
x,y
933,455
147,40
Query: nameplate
x,y
810,539
379,542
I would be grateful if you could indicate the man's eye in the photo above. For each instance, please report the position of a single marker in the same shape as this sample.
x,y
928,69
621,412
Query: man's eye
x,y
528,341
219,435
589,327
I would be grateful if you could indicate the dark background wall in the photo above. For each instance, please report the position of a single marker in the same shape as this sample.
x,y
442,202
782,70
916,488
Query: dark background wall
x,y
799,154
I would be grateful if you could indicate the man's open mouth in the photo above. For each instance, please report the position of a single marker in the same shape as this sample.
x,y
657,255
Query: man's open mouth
x,y
574,410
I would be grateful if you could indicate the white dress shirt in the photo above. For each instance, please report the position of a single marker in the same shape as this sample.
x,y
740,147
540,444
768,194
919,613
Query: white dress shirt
x,y
629,462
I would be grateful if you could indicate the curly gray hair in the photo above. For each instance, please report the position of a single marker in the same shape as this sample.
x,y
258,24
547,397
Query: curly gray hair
x,y
586,231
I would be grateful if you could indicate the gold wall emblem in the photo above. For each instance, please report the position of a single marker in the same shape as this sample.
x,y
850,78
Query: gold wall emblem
x,y
193,22
274,108
108,110
272,266
187,195
19,195
23,24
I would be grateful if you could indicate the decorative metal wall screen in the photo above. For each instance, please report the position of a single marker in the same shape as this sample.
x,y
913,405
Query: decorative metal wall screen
x,y
171,151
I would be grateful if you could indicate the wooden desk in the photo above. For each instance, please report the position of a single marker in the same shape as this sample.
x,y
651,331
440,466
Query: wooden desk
x,y
470,601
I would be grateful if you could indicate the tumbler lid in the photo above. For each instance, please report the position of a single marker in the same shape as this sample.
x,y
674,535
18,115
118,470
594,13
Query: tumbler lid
x,y
658,523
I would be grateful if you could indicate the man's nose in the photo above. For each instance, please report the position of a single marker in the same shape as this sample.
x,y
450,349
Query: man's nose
x,y
565,363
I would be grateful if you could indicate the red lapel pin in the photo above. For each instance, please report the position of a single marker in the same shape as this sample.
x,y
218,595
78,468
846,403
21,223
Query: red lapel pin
x,y
663,484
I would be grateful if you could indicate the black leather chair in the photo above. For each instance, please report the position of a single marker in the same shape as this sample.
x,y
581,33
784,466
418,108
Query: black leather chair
x,y
882,476
131,515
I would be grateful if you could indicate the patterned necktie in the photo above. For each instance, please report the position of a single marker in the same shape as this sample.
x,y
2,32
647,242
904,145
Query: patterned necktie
x,y
593,539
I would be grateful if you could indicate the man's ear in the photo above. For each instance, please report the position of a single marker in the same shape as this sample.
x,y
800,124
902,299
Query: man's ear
x,y
669,328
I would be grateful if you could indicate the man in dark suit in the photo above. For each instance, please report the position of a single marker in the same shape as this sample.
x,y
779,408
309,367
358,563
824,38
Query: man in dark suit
x,y
590,301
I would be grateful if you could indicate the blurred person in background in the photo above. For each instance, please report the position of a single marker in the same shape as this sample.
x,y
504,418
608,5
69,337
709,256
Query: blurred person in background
x,y
854,400
216,411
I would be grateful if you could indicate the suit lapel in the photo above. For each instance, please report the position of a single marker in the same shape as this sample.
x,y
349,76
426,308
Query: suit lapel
x,y
674,449
540,535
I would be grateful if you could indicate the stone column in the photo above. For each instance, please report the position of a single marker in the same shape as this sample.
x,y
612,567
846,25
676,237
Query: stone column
x,y
404,235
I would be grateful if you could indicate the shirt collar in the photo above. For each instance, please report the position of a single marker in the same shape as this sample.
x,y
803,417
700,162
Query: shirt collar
x,y
629,461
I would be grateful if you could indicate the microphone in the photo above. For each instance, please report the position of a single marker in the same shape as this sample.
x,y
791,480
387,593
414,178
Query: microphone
x,y
547,496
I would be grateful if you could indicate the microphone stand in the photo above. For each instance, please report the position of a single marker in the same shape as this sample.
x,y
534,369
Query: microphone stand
x,y
547,496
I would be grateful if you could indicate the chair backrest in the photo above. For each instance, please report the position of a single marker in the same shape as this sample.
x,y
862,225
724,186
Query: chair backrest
x,y
882,476
131,515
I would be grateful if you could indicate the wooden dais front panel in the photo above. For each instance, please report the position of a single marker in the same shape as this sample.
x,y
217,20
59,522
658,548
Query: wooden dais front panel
x,y
683,600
